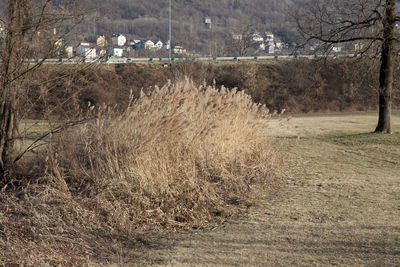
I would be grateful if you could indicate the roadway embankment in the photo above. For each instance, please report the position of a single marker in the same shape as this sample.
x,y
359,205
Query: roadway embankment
x,y
296,86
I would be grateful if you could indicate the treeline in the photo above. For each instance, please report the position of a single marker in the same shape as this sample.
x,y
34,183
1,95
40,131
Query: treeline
x,y
300,86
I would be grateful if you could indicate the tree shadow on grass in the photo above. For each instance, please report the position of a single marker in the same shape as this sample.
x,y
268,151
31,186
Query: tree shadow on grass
x,y
361,139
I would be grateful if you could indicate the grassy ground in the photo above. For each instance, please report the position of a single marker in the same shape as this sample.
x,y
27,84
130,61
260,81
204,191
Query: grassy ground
x,y
339,205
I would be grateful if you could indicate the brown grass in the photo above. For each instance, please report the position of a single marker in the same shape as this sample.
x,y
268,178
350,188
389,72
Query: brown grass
x,y
338,206
179,157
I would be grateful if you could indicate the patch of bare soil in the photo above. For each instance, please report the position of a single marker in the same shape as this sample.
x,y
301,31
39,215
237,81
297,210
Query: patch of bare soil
x,y
339,205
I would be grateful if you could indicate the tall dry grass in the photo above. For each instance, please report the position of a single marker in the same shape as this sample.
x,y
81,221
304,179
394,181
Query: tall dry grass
x,y
180,156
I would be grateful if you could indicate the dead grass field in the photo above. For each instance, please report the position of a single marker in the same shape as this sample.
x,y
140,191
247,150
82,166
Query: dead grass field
x,y
339,205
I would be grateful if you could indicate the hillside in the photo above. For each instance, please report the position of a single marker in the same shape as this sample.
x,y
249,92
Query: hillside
x,y
148,19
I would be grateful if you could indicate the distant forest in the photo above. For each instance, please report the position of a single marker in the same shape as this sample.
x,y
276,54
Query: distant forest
x,y
148,19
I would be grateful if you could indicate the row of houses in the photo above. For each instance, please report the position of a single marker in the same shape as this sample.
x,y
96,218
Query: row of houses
x,y
268,43
120,40
119,47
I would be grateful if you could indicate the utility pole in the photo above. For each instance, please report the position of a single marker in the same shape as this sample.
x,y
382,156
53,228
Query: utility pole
x,y
170,34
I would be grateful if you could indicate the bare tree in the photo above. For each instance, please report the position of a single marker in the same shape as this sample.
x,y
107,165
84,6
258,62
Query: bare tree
x,y
29,34
369,25
242,39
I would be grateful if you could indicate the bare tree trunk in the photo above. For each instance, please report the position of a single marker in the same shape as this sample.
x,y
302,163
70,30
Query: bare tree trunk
x,y
7,120
386,69
17,22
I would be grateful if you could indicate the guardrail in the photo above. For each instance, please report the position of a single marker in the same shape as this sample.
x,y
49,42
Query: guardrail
x,y
124,60
221,59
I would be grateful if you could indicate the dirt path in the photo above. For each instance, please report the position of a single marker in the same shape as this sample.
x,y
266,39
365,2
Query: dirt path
x,y
340,205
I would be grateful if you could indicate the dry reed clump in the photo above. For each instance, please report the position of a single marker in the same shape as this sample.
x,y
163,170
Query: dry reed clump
x,y
178,157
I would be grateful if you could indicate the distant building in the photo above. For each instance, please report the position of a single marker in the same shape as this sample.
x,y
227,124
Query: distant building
x,y
101,41
269,36
69,50
134,42
256,37
158,45
278,45
149,44
358,47
119,40
117,52
208,22
179,50
86,50
337,49
270,48
167,45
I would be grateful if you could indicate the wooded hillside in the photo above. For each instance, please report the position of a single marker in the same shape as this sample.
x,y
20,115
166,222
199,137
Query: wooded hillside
x,y
148,19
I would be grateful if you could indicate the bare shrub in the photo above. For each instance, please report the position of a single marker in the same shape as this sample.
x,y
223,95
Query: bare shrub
x,y
179,156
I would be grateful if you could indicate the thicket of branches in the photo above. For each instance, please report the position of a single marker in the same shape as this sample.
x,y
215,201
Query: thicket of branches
x,y
314,86
33,30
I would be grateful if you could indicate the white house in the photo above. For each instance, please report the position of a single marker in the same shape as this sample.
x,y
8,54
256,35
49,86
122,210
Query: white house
x,y
208,22
269,36
134,42
270,48
70,51
159,45
86,50
117,52
278,45
167,45
119,40
149,44
337,49
256,37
